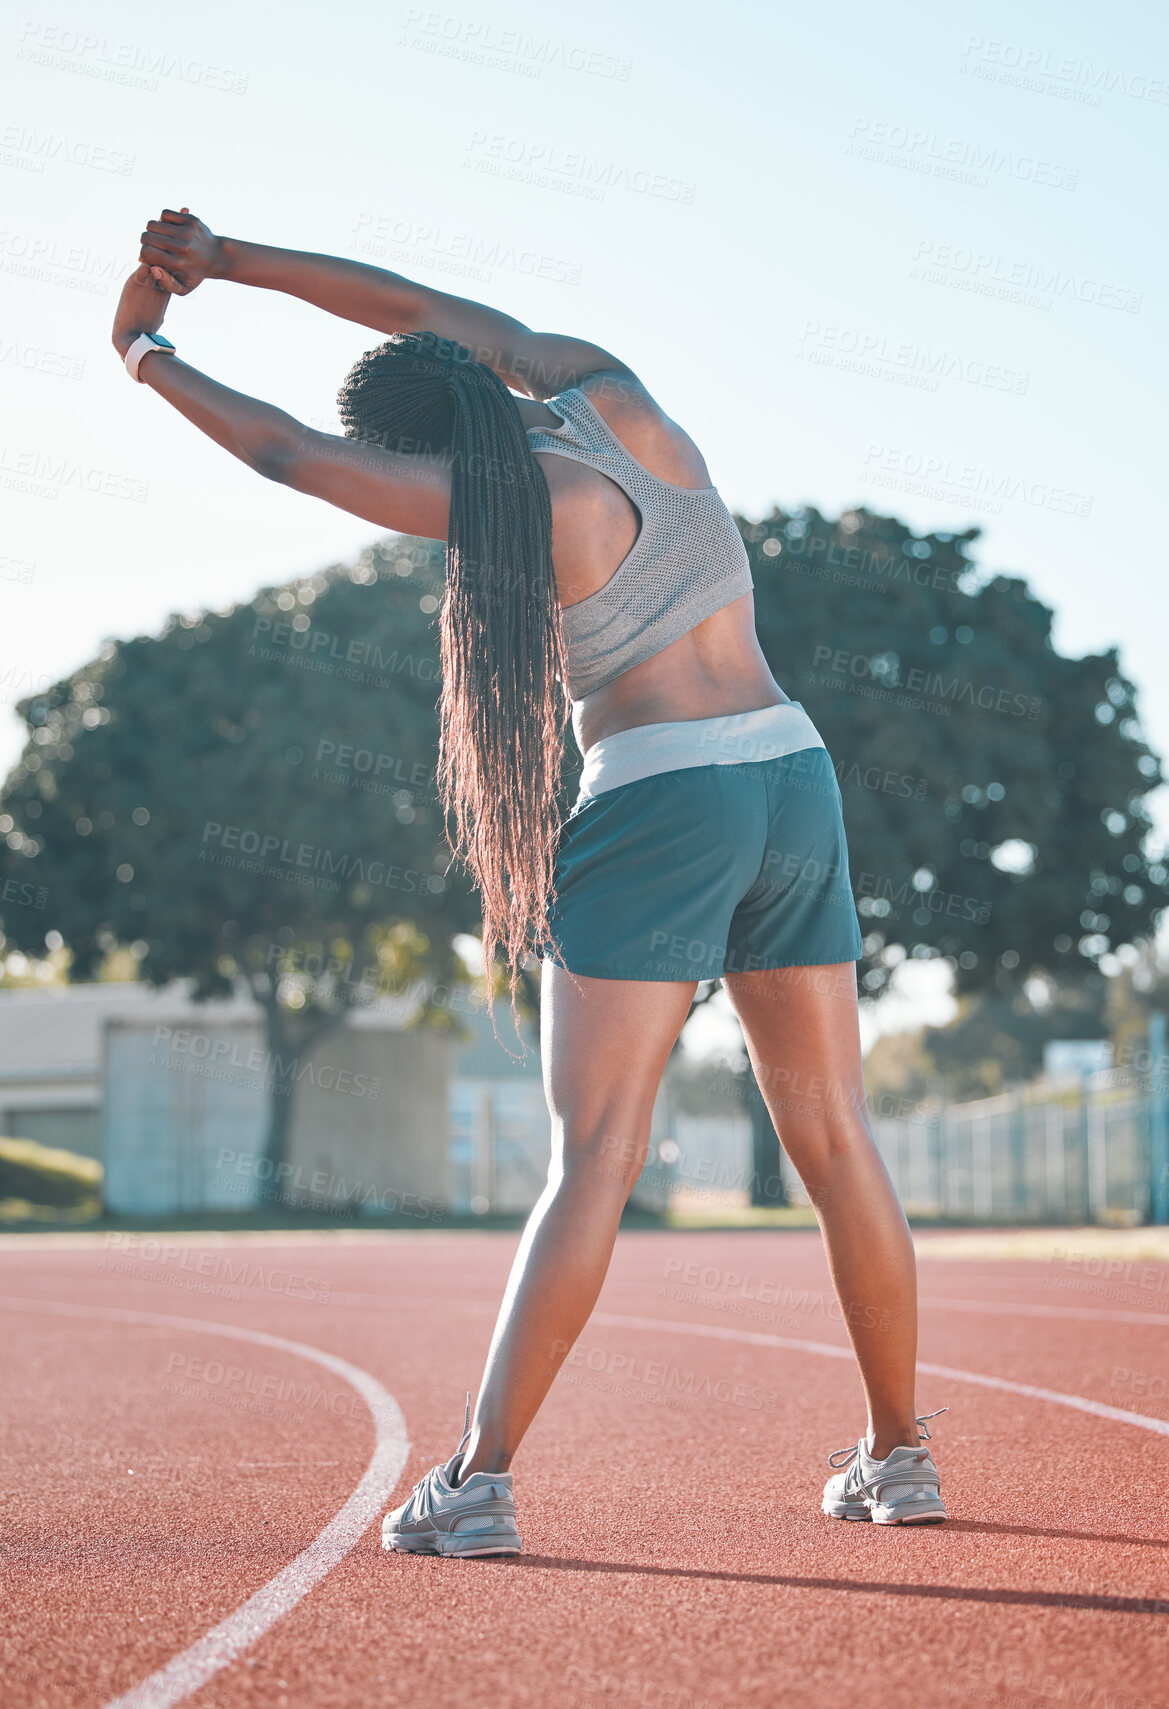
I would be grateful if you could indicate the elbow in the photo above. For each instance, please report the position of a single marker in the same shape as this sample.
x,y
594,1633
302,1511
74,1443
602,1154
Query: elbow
x,y
276,462
281,453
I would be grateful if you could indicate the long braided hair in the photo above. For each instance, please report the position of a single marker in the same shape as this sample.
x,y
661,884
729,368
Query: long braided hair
x,y
501,709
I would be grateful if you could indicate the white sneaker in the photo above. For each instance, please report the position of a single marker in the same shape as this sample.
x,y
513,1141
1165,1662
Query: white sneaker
x,y
445,1518
902,1489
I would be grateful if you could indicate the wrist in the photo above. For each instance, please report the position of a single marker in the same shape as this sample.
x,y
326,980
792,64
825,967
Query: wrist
x,y
225,263
140,346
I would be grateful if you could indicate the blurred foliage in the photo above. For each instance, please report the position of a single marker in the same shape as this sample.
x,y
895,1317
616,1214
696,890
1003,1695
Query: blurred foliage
x,y
251,794
51,967
228,799
993,790
995,1041
1132,997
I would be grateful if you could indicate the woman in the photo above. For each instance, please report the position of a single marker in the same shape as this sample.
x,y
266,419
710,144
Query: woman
x,y
590,558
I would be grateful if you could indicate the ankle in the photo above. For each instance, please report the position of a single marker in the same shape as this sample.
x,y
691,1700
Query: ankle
x,y
482,1456
881,1439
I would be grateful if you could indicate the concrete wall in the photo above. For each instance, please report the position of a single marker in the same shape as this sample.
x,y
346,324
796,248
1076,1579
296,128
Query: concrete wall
x,y
175,1099
185,1117
371,1123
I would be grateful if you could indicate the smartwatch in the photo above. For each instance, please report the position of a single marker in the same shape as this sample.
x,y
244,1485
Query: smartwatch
x,y
145,341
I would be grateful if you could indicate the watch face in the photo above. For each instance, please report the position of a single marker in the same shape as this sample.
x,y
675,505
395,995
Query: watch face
x,y
159,339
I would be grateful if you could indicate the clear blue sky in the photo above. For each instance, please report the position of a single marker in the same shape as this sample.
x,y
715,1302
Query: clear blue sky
x,y
737,199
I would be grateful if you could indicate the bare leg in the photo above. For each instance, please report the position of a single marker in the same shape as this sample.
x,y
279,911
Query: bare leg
x,y
604,1050
800,1025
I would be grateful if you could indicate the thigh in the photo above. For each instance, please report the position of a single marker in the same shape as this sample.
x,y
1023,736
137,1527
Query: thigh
x,y
803,1038
604,1044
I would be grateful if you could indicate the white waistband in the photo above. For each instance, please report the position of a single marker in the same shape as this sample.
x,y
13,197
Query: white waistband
x,y
734,739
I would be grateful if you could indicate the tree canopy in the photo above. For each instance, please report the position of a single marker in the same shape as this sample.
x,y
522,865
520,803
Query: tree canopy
x,y
993,790
252,793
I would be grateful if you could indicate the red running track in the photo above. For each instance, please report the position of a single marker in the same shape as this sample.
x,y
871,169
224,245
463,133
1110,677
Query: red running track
x,y
160,1474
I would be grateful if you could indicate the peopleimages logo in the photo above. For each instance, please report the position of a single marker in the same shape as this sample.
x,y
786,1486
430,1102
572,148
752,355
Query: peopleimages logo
x,y
893,465
188,1262
291,1183
387,235
281,1074
237,1385
872,887
991,274
132,64
320,645
24,895
272,852
1063,73
920,684
959,158
548,163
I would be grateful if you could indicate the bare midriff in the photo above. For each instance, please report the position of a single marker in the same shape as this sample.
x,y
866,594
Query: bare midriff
x,y
716,669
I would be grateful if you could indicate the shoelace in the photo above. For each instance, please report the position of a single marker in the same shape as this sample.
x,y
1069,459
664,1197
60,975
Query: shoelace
x,y
841,1457
425,1480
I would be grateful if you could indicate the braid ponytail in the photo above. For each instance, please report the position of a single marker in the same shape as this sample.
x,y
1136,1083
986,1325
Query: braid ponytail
x,y
501,710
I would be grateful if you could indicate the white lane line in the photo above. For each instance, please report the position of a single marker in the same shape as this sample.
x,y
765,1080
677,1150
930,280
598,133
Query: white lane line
x,y
1006,1308
387,1302
716,1332
937,1302
239,1631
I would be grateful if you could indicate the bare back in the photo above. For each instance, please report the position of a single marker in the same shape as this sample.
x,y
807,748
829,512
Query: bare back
x,y
718,667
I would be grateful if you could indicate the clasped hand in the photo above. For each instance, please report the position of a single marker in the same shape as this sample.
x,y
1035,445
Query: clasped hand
x,y
178,251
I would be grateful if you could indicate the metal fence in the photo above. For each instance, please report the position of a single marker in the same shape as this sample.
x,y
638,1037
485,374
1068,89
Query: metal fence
x,y
1074,1151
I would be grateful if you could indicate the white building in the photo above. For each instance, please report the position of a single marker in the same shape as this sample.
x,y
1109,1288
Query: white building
x,y
173,1097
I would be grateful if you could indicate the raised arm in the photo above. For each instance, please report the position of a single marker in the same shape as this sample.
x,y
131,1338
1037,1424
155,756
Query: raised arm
x,y
410,495
539,364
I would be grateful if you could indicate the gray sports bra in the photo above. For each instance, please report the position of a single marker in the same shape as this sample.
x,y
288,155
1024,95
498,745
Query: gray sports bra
x,y
687,562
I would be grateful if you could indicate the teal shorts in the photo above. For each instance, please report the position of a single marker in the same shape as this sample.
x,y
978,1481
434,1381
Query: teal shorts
x,y
705,870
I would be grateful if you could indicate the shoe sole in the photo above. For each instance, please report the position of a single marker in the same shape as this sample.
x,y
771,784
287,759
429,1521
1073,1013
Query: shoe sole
x,y
838,1510
399,1548
447,1546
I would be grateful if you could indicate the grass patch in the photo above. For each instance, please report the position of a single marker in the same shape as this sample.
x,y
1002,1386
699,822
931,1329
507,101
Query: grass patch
x,y
40,1183
1052,1245
741,1216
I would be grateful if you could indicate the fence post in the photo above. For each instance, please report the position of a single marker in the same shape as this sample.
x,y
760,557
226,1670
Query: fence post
x,y
766,1177
1096,1156
934,1156
1084,1146
982,1168
1158,1120
1017,1118
483,1164
1056,1166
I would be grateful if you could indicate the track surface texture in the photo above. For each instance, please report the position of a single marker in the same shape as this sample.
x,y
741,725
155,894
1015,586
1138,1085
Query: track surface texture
x,y
158,1475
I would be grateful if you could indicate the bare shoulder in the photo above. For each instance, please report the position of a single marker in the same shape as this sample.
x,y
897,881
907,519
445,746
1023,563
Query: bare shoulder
x,y
644,428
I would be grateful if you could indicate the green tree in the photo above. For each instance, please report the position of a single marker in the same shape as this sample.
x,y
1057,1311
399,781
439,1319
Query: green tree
x,y
1133,996
252,795
993,789
995,1041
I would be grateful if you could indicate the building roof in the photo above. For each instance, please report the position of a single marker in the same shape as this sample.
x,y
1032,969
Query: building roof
x,y
56,1030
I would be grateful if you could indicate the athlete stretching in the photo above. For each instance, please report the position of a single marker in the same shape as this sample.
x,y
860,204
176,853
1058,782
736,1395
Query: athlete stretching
x,y
591,561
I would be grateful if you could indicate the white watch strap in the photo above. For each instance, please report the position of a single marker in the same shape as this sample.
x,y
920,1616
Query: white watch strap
x,y
137,351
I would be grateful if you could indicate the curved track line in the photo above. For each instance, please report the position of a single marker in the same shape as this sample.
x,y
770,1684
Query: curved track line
x,y
1088,1314
716,1332
937,1302
193,1667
